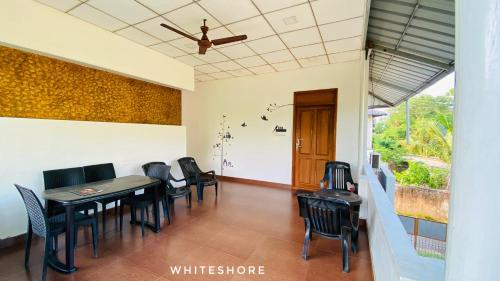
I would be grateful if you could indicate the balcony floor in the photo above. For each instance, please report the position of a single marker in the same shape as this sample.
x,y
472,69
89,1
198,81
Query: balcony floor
x,y
247,225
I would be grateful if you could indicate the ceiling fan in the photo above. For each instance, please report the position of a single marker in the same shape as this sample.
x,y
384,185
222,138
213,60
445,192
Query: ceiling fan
x,y
204,43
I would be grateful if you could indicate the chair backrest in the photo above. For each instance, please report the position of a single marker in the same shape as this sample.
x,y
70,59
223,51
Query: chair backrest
x,y
99,172
61,178
326,217
338,174
159,171
189,167
36,213
146,166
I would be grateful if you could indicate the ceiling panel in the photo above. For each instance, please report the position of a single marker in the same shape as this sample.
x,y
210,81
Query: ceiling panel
x,y
221,75
308,51
288,65
313,61
138,36
168,50
343,45
342,29
191,60
153,27
62,5
344,56
301,37
251,61
261,69
230,11
212,56
266,45
163,6
237,51
254,28
278,56
328,11
227,65
292,18
128,11
282,34
272,5
207,68
190,18
96,17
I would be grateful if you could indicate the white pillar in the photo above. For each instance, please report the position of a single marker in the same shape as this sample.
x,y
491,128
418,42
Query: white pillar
x,y
473,250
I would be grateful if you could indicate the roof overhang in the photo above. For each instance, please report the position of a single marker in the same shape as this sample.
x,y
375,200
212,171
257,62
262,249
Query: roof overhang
x,y
412,45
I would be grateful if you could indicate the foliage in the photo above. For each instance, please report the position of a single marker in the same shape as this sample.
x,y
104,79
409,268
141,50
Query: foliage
x,y
419,174
431,129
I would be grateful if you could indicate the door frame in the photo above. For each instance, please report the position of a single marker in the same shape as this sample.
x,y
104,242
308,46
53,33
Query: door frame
x,y
312,98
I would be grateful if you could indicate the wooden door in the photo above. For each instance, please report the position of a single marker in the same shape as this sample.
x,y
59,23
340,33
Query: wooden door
x,y
314,143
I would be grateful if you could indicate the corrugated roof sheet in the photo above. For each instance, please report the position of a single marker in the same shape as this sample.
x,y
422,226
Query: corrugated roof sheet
x,y
413,46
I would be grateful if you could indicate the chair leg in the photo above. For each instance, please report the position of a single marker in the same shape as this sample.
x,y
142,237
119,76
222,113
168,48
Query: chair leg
x,y
142,220
307,239
94,238
103,219
199,190
164,203
346,237
56,243
166,208
116,211
190,196
121,216
46,253
216,188
29,235
354,241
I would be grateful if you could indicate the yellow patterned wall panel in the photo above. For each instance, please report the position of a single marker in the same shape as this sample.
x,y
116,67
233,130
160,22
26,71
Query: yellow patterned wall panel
x,y
35,86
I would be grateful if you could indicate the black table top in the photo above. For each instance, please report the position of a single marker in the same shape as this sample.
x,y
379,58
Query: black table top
x,y
343,196
118,186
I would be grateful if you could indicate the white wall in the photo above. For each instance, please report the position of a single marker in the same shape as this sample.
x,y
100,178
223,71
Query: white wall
x,y
255,151
29,25
29,146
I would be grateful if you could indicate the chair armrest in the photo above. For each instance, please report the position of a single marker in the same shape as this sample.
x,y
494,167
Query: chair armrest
x,y
180,180
212,172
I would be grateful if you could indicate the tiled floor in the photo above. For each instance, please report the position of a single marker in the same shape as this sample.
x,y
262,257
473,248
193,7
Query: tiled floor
x,y
246,225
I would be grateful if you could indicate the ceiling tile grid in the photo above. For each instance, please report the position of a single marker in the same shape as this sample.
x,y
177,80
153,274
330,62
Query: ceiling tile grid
x,y
282,34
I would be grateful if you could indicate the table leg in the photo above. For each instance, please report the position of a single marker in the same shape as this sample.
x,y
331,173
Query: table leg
x,y
53,261
156,208
70,238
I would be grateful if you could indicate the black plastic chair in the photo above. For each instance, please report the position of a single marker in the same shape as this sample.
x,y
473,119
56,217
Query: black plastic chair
x,y
328,219
40,225
69,177
143,201
48,227
101,172
161,171
194,176
337,176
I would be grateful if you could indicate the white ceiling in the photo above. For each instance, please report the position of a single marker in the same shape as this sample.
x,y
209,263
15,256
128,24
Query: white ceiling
x,y
282,34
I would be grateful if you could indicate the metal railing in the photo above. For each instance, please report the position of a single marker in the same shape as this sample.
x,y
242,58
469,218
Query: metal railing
x,y
428,237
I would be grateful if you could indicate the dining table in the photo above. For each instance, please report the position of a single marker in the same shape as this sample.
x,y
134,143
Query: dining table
x,y
71,196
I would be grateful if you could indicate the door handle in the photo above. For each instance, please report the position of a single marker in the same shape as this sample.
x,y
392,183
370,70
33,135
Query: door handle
x,y
298,144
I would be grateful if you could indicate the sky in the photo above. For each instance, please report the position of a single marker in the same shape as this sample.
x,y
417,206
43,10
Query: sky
x,y
441,87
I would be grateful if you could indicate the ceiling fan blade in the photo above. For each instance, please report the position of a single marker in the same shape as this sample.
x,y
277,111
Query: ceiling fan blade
x,y
202,50
179,32
229,39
